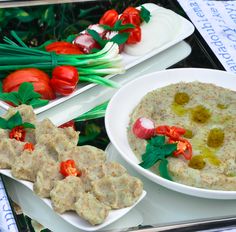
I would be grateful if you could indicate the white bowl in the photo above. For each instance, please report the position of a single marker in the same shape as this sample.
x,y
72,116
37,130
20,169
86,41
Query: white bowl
x,y
124,101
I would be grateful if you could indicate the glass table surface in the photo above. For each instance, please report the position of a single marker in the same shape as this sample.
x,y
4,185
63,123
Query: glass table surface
x,y
161,208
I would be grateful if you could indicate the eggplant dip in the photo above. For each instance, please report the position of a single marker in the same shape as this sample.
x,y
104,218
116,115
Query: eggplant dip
x,y
186,133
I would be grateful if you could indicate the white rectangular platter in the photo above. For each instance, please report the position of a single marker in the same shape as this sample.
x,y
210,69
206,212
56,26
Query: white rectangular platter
x,y
186,29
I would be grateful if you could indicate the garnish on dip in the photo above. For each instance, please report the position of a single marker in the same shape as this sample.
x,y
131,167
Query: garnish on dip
x,y
68,168
144,128
162,142
16,126
28,147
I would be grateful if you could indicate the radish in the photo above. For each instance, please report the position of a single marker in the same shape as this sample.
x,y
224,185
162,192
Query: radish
x,y
144,128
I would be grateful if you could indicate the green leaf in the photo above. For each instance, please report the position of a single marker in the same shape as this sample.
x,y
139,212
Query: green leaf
x,y
91,132
10,97
71,38
120,38
166,149
120,27
26,92
48,16
0,87
3,123
157,141
145,14
14,120
22,15
149,161
28,125
37,102
163,169
97,37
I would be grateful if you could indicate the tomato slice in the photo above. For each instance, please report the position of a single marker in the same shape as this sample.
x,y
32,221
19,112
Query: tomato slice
x,y
173,132
18,133
71,123
68,168
184,148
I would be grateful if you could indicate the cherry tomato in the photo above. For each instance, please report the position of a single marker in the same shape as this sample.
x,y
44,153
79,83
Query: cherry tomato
x,y
68,124
68,168
109,18
134,36
18,133
131,15
173,132
64,79
39,79
184,148
62,47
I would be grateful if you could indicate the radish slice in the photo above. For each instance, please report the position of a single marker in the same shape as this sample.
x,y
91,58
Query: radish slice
x,y
144,128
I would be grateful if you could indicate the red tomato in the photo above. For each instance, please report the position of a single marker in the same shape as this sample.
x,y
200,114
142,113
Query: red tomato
x,y
64,79
18,133
131,15
134,36
184,148
68,124
109,18
39,79
173,132
61,47
28,147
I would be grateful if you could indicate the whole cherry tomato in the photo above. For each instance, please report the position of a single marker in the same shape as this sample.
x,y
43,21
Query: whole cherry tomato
x,y
39,79
134,36
109,18
64,79
62,47
131,15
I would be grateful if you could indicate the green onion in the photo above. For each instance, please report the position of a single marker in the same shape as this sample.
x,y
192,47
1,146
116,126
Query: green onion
x,y
97,112
91,67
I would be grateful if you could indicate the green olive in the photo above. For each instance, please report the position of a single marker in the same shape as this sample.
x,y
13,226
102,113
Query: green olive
x,y
197,162
188,134
181,98
215,138
200,114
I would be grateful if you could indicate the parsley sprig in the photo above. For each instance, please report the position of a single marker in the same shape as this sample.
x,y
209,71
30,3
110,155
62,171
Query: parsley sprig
x,y
118,26
145,14
14,121
158,150
119,38
25,95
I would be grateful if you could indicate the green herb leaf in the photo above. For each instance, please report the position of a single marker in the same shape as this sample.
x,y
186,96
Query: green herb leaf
x,y
14,120
158,150
3,123
157,141
37,102
10,97
163,169
120,38
118,26
71,38
97,37
26,92
28,125
145,14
